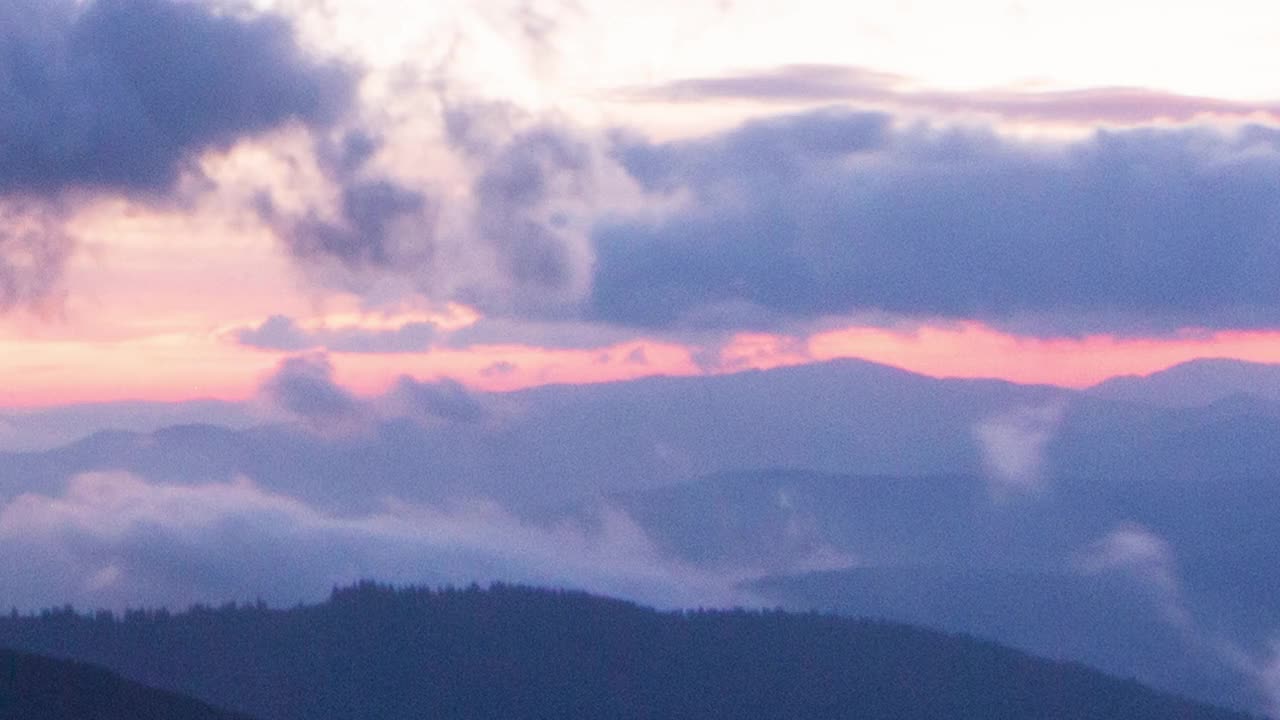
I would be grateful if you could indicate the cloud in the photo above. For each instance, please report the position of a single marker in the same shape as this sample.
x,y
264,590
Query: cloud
x,y
116,540
445,399
375,221
283,333
835,83
566,334
361,222
833,213
34,249
533,191
1268,674
1013,445
277,332
124,95
508,233
499,369
1137,550
304,387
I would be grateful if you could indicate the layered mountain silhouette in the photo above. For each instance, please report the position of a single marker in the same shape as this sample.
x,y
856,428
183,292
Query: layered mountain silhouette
x,y
516,652
1034,573
548,444
845,486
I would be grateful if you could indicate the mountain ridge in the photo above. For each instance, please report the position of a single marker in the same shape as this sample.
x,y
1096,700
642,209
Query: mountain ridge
x,y
516,651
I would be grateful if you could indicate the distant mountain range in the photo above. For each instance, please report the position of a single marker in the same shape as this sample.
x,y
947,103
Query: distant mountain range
x,y
1130,525
513,652
37,429
39,688
542,446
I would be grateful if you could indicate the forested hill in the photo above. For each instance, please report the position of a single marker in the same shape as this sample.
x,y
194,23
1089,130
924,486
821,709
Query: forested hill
x,y
514,652
38,688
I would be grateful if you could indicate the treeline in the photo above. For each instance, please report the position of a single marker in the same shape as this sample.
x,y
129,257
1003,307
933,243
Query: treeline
x,y
373,651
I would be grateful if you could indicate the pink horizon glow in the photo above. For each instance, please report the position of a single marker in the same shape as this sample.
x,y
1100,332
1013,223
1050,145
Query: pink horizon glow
x,y
968,350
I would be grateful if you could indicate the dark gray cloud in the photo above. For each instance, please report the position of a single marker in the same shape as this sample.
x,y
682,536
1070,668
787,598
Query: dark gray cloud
x,y
757,151
34,248
277,332
444,399
280,332
518,245
835,212
500,368
514,188
123,95
368,231
532,181
834,83
304,387
378,224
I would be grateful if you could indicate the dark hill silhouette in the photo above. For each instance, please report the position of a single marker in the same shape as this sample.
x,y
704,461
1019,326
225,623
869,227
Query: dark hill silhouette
x,y
39,688
1112,623
515,652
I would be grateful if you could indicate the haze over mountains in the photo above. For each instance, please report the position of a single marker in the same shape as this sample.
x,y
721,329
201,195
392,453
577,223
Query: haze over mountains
x,y
1113,526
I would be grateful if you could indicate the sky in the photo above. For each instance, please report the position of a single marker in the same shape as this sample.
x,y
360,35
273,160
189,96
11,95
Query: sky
x,y
513,193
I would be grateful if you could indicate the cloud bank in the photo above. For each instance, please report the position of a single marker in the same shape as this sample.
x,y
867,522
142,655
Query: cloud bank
x,y
115,540
124,95
835,212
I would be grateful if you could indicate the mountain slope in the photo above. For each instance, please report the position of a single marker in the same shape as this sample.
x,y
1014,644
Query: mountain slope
x,y
512,652
1109,622
1036,573
1195,383
39,688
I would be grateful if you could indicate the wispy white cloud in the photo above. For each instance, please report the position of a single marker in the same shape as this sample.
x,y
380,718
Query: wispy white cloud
x,y
1013,446
1135,549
